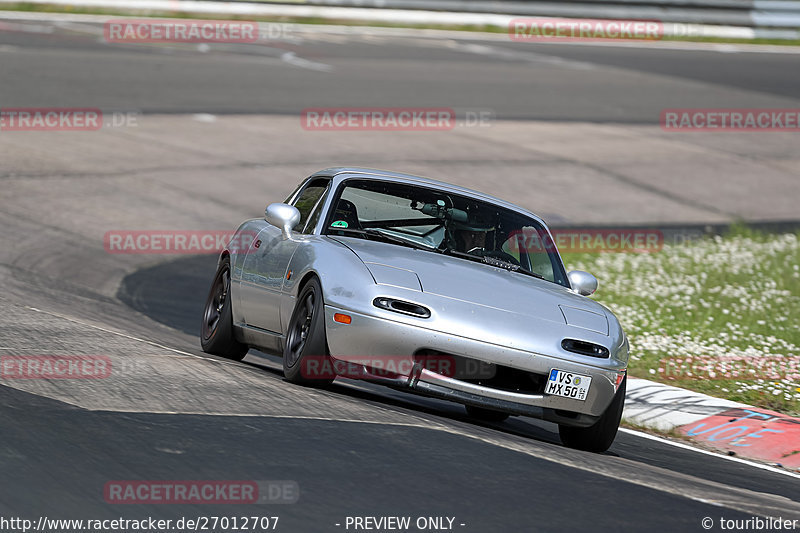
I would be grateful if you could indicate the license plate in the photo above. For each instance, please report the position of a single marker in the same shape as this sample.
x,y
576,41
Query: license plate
x,y
568,385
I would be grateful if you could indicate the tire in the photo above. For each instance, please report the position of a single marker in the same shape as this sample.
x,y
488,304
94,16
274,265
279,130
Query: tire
x,y
306,346
599,436
216,332
485,415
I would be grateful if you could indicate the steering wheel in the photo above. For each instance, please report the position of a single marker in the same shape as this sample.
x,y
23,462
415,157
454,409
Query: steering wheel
x,y
497,254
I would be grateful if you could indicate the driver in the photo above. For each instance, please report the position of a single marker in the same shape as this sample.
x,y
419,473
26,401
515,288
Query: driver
x,y
471,236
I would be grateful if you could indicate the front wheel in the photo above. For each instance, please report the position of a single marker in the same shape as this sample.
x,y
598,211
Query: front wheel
x,y
305,356
216,333
599,436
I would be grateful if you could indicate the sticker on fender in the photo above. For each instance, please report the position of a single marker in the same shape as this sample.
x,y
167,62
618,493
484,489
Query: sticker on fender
x,y
568,385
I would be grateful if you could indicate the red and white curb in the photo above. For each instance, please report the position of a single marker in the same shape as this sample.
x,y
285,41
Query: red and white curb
x,y
729,427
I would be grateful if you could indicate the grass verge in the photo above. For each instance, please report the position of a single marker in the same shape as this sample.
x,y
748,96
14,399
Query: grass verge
x,y
717,315
57,8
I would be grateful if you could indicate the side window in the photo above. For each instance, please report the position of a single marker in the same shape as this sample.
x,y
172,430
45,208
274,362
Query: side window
x,y
308,199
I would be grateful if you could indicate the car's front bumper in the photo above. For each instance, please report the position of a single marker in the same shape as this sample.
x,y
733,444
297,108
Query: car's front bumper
x,y
368,338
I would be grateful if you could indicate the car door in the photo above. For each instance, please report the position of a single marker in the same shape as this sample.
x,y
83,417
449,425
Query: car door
x,y
264,269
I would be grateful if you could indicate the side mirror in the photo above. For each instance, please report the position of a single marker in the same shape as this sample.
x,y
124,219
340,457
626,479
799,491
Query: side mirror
x,y
282,216
582,282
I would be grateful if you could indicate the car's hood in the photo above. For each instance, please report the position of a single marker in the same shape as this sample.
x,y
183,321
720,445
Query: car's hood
x,y
477,284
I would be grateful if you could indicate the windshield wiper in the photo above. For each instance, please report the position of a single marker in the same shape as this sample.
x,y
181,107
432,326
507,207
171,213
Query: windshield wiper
x,y
492,261
385,237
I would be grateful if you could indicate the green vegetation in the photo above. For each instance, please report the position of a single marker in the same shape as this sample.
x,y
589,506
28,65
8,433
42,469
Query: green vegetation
x,y
56,8
718,315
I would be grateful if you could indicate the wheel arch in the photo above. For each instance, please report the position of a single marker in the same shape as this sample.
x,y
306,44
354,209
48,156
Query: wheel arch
x,y
342,275
305,279
225,254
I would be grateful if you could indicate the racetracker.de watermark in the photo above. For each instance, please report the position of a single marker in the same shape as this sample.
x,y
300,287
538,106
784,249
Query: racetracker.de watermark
x,y
180,31
588,240
559,30
393,118
729,368
378,119
201,492
55,366
366,367
63,119
148,524
729,119
178,241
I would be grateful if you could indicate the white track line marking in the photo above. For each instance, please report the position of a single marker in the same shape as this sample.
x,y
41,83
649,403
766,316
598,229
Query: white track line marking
x,y
674,483
126,336
432,426
521,55
685,446
292,59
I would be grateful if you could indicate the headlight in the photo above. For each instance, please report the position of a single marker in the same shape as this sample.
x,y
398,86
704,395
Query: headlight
x,y
585,348
403,307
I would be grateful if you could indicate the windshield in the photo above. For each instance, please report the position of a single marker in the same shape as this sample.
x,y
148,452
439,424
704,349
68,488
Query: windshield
x,y
444,223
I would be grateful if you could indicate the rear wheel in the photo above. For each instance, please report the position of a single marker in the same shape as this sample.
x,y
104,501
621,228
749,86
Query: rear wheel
x,y
599,436
305,356
486,415
216,333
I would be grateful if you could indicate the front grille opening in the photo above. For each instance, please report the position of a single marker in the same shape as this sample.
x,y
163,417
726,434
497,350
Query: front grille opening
x,y
585,348
488,375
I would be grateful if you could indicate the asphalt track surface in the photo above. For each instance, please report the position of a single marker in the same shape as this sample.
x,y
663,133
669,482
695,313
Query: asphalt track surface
x,y
514,80
169,412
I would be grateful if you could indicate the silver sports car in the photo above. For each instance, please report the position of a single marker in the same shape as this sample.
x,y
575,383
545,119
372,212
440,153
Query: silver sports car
x,y
426,287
